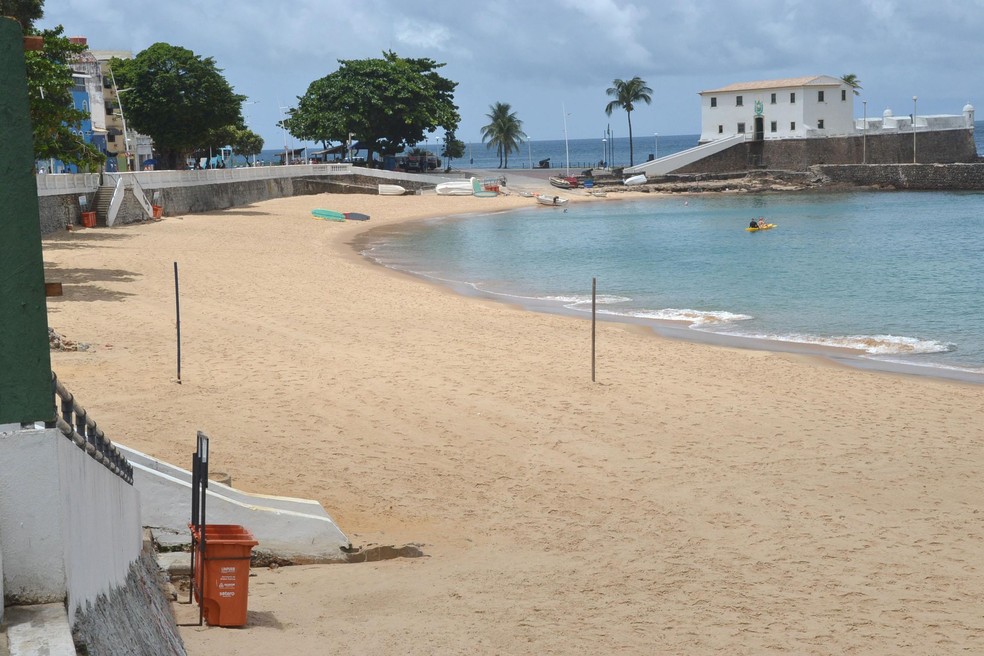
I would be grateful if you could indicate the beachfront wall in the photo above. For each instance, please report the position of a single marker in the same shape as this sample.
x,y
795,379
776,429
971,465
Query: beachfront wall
x,y
62,198
69,527
928,177
937,147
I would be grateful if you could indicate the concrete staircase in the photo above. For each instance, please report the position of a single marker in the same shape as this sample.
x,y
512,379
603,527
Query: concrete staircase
x,y
104,196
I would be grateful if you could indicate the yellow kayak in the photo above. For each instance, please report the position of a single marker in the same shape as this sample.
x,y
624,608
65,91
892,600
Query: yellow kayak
x,y
767,226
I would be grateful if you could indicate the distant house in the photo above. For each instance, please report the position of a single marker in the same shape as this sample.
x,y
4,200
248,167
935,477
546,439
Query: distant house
x,y
799,107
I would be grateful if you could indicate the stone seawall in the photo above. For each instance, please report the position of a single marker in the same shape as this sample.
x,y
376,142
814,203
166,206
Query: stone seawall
x,y
60,210
57,212
940,146
135,619
934,177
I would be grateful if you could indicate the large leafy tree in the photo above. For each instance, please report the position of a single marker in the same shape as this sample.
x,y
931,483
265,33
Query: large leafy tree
x,y
387,104
454,148
852,81
626,94
177,98
25,11
56,122
246,142
504,131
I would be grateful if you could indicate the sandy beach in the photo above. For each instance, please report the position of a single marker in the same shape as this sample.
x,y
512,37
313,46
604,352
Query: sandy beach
x,y
696,499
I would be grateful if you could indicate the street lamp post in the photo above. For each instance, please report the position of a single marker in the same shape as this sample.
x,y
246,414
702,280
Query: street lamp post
x,y
914,98
529,151
656,146
604,151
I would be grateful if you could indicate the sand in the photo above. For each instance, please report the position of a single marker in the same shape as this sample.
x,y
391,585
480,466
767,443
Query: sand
x,y
696,499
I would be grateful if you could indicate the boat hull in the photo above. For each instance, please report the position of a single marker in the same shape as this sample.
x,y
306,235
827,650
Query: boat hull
x,y
553,201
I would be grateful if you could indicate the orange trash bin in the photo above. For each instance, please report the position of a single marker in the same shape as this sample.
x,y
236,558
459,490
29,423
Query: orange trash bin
x,y
89,219
158,211
223,573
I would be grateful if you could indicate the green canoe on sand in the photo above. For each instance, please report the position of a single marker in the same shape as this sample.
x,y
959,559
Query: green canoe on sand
x,y
328,215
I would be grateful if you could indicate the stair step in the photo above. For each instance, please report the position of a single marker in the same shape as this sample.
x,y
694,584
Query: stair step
x,y
39,629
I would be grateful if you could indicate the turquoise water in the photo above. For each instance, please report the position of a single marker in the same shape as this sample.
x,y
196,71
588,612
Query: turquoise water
x,y
895,278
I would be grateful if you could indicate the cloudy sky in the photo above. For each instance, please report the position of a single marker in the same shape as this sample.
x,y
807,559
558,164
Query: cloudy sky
x,y
548,57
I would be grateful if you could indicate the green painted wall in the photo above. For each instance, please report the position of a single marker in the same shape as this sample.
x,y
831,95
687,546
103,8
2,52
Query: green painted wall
x,y
25,362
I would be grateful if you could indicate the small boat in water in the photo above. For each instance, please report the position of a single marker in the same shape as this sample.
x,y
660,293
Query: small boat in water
x,y
391,190
555,201
568,182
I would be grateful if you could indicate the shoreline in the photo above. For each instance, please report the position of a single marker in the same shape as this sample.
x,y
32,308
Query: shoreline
x,y
696,499
669,329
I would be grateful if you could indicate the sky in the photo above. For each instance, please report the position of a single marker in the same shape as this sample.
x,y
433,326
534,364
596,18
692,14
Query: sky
x,y
552,60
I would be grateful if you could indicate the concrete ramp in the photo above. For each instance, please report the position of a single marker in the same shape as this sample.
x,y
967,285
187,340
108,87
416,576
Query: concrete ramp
x,y
670,163
295,529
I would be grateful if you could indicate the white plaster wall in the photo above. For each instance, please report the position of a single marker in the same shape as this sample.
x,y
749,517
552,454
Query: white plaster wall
x,y
103,534
804,112
31,518
69,528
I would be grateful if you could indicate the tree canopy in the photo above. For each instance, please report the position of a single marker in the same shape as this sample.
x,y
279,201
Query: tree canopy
x,y
25,11
177,98
387,104
626,94
55,120
504,131
454,148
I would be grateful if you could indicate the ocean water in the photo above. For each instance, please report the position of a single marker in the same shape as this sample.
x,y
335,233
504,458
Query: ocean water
x,y
885,279
580,153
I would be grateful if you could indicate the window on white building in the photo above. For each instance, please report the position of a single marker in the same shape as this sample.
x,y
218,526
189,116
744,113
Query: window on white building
x,y
820,124
774,126
843,95
773,99
819,96
792,126
792,98
741,128
714,102
738,101
720,129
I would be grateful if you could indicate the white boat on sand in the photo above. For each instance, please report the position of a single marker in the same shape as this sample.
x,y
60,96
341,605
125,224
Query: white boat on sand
x,y
555,201
391,190
456,188
636,180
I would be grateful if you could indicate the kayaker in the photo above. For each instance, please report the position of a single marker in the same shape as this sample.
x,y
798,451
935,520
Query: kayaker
x,y
761,223
753,224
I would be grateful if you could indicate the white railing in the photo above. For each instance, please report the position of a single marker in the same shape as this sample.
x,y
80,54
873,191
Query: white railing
x,y
160,179
57,184
665,165
119,189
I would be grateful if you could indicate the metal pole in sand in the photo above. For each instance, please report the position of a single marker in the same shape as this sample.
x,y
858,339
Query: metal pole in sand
x,y
177,315
594,293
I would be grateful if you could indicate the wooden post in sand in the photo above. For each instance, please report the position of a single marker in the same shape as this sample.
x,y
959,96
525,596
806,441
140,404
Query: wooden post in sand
x,y
594,296
177,314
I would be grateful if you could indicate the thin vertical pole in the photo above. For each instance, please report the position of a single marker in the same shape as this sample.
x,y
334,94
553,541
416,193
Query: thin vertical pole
x,y
177,315
594,305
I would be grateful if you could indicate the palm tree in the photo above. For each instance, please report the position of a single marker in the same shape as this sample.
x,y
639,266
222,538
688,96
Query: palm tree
x,y
504,131
627,93
852,81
